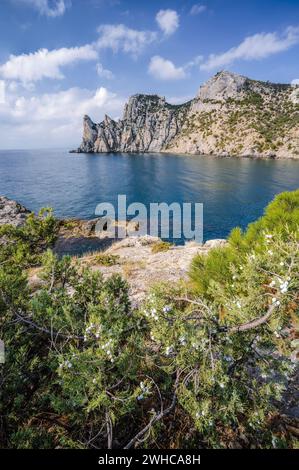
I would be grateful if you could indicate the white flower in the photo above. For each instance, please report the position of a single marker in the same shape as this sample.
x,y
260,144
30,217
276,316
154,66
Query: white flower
x,y
166,309
277,303
270,252
169,350
221,385
238,304
272,284
274,300
94,381
269,236
281,263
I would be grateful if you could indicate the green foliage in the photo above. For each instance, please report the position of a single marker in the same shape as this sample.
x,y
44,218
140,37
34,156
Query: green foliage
x,y
106,259
85,370
161,246
23,245
230,347
281,217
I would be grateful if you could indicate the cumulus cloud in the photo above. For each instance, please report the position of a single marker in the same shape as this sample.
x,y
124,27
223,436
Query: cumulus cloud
x,y
44,63
168,21
121,38
27,121
51,8
197,9
258,46
104,73
295,82
2,91
164,69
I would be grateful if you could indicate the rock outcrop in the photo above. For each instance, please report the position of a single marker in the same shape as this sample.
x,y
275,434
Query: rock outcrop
x,y
148,125
231,115
12,213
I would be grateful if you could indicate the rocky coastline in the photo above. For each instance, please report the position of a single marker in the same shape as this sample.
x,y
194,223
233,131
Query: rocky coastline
x,y
231,115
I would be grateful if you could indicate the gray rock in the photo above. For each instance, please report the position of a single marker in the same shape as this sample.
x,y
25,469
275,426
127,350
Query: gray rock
x,y
215,243
12,213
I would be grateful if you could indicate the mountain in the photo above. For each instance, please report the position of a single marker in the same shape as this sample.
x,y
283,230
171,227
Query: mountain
x,y
231,115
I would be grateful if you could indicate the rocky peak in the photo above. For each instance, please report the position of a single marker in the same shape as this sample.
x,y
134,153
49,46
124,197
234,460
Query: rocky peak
x,y
222,86
142,104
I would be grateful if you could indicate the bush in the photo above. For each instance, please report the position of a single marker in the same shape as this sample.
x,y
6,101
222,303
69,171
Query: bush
x,y
281,218
84,370
161,246
106,259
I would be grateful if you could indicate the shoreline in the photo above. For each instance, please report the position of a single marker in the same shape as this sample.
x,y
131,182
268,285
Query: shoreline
x,y
165,153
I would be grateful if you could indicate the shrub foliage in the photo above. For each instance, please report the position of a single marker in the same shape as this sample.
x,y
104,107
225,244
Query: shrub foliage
x,y
199,365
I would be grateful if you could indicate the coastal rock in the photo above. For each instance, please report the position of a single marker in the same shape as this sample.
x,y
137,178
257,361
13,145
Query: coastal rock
x,y
218,242
12,213
148,125
231,115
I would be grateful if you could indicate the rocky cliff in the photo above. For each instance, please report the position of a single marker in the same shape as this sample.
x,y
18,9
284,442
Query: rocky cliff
x,y
231,115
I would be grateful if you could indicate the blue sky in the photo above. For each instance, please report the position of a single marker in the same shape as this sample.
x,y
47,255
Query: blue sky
x,y
60,59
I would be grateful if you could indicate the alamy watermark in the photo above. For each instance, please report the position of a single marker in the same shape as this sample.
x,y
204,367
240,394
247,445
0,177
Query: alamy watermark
x,y
168,221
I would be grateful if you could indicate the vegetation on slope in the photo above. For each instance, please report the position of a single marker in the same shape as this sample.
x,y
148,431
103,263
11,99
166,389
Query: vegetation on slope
x,y
199,365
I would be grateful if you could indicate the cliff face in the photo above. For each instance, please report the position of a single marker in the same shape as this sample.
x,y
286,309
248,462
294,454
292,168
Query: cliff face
x,y
149,124
231,115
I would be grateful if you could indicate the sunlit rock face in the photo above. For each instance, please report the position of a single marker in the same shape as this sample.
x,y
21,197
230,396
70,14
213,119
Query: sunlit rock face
x,y
231,115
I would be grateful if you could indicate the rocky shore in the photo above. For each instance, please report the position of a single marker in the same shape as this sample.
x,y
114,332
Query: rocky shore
x,y
133,257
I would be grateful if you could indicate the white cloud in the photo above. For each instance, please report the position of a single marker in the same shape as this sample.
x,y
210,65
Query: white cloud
x,y
295,82
168,21
104,73
2,91
53,119
51,8
164,69
44,63
197,9
258,46
121,38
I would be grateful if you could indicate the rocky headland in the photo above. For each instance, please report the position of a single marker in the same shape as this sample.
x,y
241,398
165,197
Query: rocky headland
x,y
231,115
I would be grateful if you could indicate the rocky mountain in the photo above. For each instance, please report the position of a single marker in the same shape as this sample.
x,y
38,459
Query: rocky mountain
x,y
231,115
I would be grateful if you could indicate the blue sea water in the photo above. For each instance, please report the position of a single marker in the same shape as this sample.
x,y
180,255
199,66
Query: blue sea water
x,y
234,191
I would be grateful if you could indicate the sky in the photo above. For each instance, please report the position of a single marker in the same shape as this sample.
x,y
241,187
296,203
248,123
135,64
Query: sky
x,y
61,59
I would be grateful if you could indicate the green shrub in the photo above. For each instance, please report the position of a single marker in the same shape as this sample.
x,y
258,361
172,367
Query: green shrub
x,y
85,370
161,246
106,259
281,217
